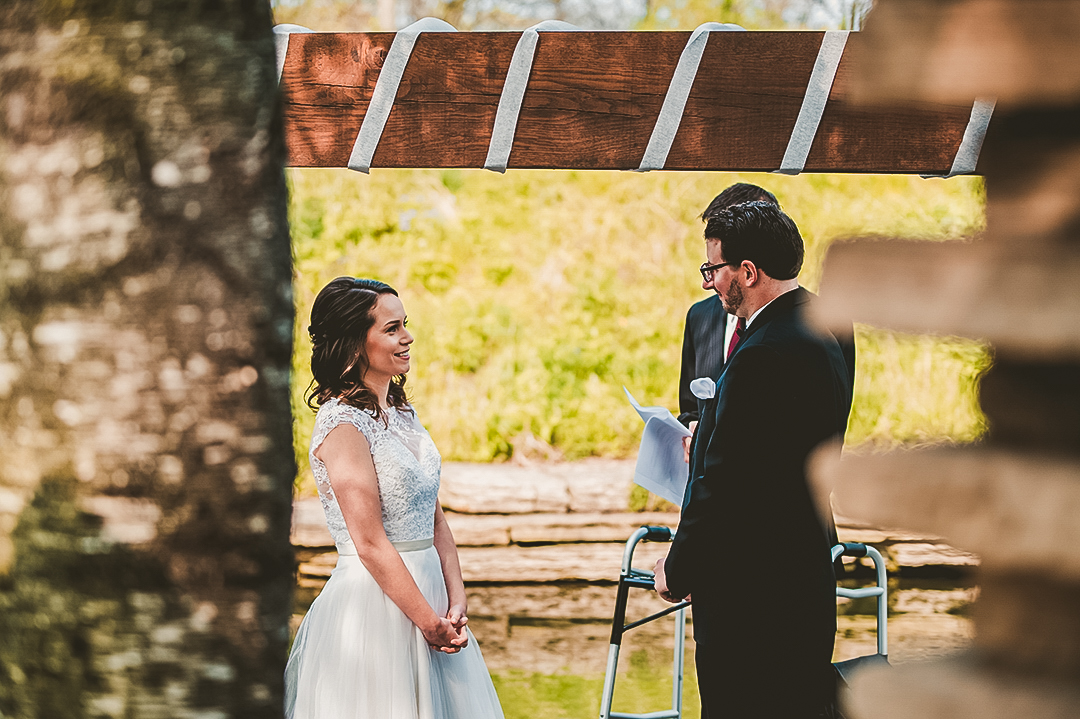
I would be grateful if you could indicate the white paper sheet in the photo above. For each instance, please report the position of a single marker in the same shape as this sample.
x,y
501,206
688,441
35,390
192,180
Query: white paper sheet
x,y
660,468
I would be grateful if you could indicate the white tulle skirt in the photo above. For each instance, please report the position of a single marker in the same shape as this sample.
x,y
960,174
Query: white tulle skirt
x,y
357,656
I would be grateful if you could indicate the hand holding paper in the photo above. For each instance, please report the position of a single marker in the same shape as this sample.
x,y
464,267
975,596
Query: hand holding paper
x,y
660,466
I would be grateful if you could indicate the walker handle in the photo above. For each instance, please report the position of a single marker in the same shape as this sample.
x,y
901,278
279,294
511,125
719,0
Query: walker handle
x,y
642,533
849,549
656,534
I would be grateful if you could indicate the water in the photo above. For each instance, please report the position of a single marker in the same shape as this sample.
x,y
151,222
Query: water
x,y
547,644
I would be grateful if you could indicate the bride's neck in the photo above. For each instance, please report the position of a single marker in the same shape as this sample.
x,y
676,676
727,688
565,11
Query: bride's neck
x,y
381,388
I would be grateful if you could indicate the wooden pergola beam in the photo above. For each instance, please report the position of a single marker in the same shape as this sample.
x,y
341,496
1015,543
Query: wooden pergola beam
x,y
592,101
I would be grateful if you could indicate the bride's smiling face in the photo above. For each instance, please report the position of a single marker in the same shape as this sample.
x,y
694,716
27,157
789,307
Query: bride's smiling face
x,y
388,340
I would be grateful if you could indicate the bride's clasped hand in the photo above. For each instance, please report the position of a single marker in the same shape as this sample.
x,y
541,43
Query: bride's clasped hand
x,y
448,633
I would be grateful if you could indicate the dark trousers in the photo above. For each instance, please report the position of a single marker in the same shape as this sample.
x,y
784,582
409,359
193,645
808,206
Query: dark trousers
x,y
731,689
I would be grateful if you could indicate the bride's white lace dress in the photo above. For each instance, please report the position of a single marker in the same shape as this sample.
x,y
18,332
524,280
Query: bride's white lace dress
x,y
356,655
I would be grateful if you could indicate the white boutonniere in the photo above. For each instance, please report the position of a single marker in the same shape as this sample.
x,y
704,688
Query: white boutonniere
x,y
703,388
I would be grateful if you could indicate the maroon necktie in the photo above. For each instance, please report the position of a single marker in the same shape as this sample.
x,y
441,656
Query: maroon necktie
x,y
740,327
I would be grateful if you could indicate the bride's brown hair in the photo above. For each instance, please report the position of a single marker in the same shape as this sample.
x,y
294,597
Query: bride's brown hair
x,y
340,319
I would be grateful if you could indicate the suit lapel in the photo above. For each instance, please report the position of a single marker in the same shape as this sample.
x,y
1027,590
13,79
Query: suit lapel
x,y
782,304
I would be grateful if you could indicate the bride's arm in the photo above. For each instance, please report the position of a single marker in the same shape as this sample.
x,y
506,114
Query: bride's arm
x,y
455,587
347,457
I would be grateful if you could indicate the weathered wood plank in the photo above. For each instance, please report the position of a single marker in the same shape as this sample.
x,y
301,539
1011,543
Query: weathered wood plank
x,y
1024,303
1018,289
1019,52
1017,512
592,101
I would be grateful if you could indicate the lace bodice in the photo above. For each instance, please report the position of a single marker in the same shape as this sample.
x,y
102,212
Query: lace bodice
x,y
407,466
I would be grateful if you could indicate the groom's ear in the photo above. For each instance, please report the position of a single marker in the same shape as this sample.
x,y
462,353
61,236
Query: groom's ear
x,y
749,274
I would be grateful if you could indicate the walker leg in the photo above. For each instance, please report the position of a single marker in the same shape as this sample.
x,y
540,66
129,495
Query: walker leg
x,y
609,681
677,662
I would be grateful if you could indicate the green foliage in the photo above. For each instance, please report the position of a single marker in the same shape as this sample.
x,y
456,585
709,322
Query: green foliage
x,y
914,390
536,295
688,14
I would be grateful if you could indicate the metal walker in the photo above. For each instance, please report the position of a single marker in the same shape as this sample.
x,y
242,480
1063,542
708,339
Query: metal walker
x,y
630,577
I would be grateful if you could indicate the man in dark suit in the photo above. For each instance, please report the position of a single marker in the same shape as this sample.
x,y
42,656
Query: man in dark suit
x,y
708,327
752,548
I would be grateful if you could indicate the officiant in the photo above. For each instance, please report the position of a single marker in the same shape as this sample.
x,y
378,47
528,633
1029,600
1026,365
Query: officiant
x,y
710,330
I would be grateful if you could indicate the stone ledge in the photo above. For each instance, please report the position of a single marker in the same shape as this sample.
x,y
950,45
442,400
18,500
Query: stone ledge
x,y
559,522
588,485
550,563
503,530
483,530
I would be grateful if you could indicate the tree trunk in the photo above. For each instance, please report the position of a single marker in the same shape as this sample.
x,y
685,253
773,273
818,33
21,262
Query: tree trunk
x,y
145,331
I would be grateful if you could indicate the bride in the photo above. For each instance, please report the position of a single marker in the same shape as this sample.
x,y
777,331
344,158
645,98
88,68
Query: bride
x,y
387,636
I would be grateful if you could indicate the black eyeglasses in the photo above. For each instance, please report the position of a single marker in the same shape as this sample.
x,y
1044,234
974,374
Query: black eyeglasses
x,y
707,270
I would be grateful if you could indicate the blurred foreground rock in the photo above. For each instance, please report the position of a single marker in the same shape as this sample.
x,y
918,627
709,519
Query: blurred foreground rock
x,y
1014,498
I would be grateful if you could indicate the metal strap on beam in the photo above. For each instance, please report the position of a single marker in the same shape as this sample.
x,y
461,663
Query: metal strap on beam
x,y
386,88
671,113
813,104
513,92
281,43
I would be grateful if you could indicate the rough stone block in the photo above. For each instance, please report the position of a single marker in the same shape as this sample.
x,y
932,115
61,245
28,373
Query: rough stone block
x,y
959,688
1017,512
1030,623
594,485
1024,303
1022,52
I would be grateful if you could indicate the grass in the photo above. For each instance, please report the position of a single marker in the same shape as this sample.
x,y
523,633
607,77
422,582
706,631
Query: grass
x,y
645,687
536,295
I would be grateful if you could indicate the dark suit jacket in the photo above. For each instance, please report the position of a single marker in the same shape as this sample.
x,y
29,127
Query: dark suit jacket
x,y
702,352
751,546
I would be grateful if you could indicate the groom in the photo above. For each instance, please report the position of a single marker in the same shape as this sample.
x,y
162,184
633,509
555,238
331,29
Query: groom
x,y
751,548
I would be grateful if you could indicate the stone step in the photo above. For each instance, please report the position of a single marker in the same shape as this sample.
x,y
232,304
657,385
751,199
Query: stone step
x,y
565,522
547,528
600,561
484,530
529,548
588,485
515,564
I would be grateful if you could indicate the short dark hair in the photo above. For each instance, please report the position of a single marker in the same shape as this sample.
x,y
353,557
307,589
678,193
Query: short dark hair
x,y
737,194
340,319
759,232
